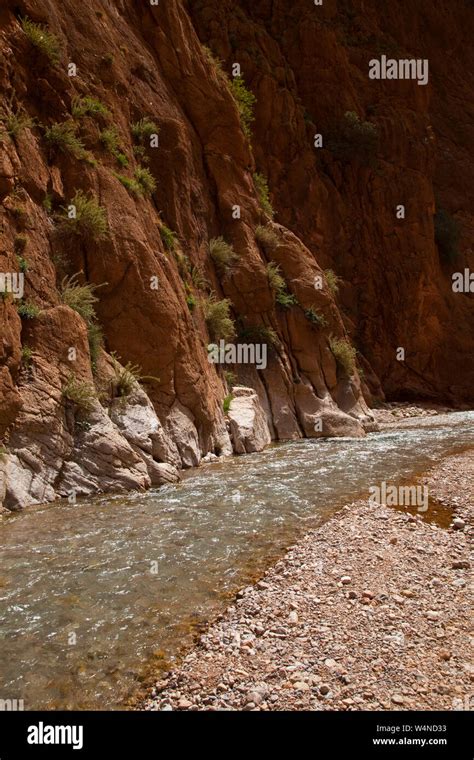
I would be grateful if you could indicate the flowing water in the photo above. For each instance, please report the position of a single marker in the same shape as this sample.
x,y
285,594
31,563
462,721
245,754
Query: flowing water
x,y
91,593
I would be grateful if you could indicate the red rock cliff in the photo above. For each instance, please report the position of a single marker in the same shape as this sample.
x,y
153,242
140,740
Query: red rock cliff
x,y
70,103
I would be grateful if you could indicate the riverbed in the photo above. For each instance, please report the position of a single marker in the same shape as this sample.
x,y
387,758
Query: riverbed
x,y
96,593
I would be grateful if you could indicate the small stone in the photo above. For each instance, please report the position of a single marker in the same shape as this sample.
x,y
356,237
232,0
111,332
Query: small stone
x,y
397,699
433,615
368,594
184,703
352,594
461,564
445,655
458,524
293,617
301,686
166,708
346,579
324,689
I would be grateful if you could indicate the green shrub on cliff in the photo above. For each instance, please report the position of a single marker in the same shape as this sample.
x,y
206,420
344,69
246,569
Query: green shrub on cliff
x,y
266,237
44,40
62,135
355,140
447,235
332,281
143,129
344,354
82,394
85,218
28,310
275,279
79,297
145,180
245,100
263,192
218,320
168,237
222,253
15,121
88,106
319,320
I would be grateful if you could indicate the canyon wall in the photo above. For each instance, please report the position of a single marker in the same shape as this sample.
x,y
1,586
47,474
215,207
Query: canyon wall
x,y
73,420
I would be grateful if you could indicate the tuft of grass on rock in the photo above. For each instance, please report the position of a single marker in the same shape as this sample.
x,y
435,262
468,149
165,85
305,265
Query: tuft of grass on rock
x,y
15,121
266,237
319,320
332,281
344,354
87,106
82,394
222,253
42,39
218,319
168,237
227,402
28,310
85,218
275,279
263,192
63,137
245,100
143,129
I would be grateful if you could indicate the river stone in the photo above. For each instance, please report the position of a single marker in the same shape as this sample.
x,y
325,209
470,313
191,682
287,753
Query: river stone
x,y
249,429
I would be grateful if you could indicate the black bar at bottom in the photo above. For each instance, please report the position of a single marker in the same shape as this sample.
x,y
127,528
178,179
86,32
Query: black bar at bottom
x,y
104,734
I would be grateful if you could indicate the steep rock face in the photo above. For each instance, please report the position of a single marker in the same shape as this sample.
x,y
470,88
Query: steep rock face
x,y
148,62
307,66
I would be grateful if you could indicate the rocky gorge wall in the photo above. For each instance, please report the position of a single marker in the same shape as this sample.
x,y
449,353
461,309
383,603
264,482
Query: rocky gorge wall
x,y
73,418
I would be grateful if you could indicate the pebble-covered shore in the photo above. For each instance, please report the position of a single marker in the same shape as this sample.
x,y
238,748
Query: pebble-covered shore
x,y
370,611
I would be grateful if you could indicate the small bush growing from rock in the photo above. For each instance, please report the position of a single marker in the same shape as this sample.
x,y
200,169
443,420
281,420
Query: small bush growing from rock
x,y
355,140
286,300
275,279
22,264
63,136
266,237
191,301
344,355
82,394
39,36
316,319
198,279
227,402
88,106
26,356
259,334
16,121
245,103
332,281
222,253
168,237
447,235
145,180
28,310
143,129
261,186
218,320
79,297
89,222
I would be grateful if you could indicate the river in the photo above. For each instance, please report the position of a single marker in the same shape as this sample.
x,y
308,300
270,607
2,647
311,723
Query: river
x,y
94,594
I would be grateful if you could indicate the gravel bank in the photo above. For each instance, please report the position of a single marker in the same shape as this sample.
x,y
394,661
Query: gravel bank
x,y
370,611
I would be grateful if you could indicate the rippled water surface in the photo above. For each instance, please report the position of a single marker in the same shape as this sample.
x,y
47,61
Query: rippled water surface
x,y
92,592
